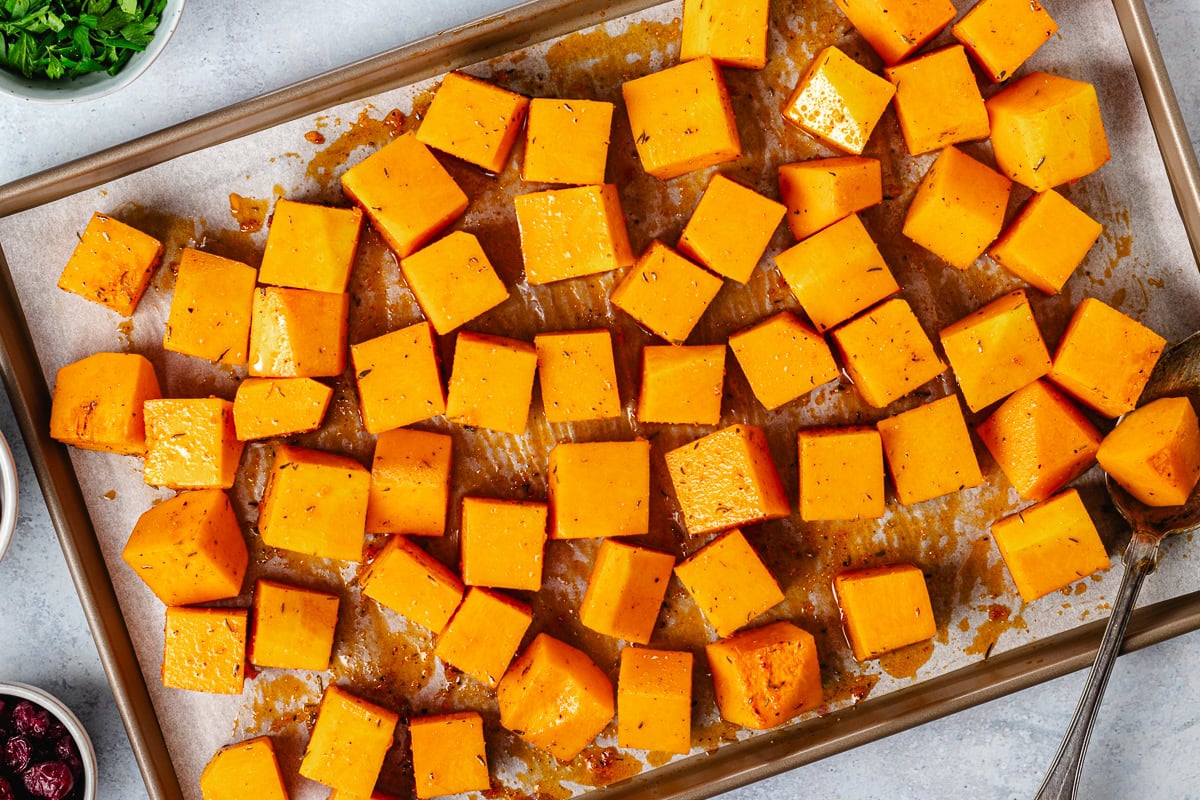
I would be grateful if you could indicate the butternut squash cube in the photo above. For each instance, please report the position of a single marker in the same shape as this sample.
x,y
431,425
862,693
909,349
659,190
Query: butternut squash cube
x,y
210,310
348,743
310,246
838,101
1040,440
99,401
315,503
1154,452
554,697
502,543
406,193
783,359
836,273
841,473
453,280
491,383
474,120
929,451
599,489
292,627
191,444
414,584
484,634
682,119
666,293
938,101
204,649
111,265
245,769
726,479
1050,545
578,375
410,483
189,549
268,407
448,754
1104,359
682,385
296,333
399,382
887,353
1003,34
625,591
730,229
571,233
732,32
566,141
898,28
1046,241
729,583
1047,130
958,209
822,191
654,700
884,609
766,676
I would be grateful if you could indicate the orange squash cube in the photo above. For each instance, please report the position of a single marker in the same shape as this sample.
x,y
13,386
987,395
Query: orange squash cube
x,y
898,28
474,120
682,119
726,479
414,584
625,591
766,676
887,353
99,401
310,246
938,101
654,700
1040,440
571,233
838,101
484,634
730,229
729,583
1154,452
189,549
884,609
578,375
566,141
491,383
1047,130
783,359
732,32
204,649
245,769
1050,545
111,265
666,293
682,385
453,281
836,273
599,489
399,382
448,754
210,310
1105,358
315,503
1003,34
348,743
1046,241
822,191
295,333
268,407
841,473
554,697
406,193
292,628
191,444
502,543
929,451
958,209
410,483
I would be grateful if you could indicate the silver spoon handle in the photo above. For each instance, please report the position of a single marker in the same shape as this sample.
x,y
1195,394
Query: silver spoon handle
x,y
1062,779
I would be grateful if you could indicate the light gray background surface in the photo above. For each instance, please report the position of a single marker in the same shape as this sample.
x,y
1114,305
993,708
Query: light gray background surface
x,y
1146,743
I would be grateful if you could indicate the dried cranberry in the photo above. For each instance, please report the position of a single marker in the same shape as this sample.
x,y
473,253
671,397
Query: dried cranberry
x,y
18,752
51,780
31,720
6,791
57,729
68,753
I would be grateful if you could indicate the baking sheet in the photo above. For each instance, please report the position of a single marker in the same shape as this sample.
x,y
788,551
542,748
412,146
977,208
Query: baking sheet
x,y
1142,265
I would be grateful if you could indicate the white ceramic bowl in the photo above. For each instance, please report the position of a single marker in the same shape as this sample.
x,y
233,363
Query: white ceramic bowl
x,y
87,753
95,84
8,496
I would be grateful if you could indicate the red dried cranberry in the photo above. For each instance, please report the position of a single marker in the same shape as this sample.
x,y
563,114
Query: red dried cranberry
x,y
31,720
57,730
68,753
6,791
51,780
18,752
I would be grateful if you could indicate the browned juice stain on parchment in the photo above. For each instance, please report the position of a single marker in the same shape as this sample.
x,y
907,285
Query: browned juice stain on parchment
x,y
248,212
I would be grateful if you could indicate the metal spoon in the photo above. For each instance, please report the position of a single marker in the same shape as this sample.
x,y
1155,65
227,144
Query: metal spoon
x,y
1177,374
